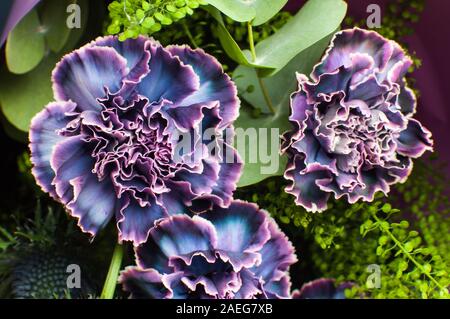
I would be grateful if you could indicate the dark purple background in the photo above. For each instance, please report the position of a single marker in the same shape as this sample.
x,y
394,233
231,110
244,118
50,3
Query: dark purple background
x,y
431,42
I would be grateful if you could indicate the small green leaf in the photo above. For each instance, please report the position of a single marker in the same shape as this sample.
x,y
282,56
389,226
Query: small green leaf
x,y
386,208
25,46
409,246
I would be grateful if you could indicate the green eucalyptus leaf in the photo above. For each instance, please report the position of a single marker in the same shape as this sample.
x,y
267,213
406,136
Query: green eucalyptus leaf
x,y
54,17
266,9
238,10
255,169
229,45
25,46
22,96
315,21
279,87
257,11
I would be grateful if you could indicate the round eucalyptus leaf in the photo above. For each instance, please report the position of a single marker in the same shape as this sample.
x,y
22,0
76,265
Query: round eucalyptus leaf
x,y
22,96
25,46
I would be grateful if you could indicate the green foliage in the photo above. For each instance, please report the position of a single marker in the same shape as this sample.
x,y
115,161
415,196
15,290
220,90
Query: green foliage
x,y
22,96
278,89
411,244
256,11
33,48
198,33
35,255
130,18
398,18
239,31
308,27
25,47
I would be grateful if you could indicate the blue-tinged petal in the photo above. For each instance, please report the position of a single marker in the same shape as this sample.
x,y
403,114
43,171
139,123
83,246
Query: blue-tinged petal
x,y
134,221
135,51
304,184
407,101
313,151
185,117
71,158
43,138
229,173
143,283
415,140
168,78
250,286
178,198
371,182
94,202
201,181
242,227
277,255
83,75
215,84
176,236
278,289
351,41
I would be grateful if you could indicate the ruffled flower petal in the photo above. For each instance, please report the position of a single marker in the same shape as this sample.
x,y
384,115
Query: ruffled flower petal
x,y
117,131
235,252
83,75
215,84
353,134
43,138
135,221
168,78
415,140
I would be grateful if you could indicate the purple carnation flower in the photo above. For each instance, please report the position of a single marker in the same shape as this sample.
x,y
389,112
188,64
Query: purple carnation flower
x,y
109,146
236,252
354,133
324,288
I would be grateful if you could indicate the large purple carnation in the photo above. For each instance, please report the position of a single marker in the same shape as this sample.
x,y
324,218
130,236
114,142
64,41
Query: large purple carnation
x,y
238,252
109,147
353,134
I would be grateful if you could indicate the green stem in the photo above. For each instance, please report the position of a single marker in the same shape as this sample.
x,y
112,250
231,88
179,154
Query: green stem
x,y
251,41
265,94
405,252
264,90
113,273
189,34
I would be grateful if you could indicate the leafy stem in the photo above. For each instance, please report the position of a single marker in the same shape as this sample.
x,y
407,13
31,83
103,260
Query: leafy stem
x,y
264,90
113,273
397,242
251,40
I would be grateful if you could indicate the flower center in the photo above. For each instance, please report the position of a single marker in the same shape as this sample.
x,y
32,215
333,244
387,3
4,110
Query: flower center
x,y
361,137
